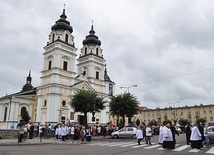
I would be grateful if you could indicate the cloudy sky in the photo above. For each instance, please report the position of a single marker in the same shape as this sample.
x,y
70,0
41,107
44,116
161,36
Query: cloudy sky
x,y
164,47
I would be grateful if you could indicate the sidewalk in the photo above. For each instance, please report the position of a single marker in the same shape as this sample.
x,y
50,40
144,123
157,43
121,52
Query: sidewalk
x,y
36,141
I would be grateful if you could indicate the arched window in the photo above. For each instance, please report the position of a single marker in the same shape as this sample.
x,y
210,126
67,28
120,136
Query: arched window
x,y
23,111
5,114
66,38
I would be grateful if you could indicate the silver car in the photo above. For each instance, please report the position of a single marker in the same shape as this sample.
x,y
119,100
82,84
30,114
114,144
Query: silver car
x,y
210,131
126,132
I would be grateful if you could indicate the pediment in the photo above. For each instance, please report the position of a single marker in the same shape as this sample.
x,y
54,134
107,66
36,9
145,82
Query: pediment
x,y
82,86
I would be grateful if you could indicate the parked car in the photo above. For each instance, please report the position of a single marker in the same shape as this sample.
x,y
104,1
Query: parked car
x,y
210,131
126,132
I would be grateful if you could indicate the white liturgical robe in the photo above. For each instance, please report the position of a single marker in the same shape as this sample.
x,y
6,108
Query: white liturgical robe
x,y
195,134
167,134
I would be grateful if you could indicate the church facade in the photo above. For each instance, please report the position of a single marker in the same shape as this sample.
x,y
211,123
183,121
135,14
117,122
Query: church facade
x,y
61,78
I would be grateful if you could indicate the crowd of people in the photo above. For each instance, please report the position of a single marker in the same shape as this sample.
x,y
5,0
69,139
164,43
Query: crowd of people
x,y
196,134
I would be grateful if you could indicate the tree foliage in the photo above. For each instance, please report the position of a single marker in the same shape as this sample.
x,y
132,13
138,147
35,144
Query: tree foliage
x,y
201,120
166,122
124,105
85,101
183,121
153,122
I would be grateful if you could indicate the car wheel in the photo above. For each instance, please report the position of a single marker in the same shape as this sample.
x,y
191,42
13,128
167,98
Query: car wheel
x,y
115,137
134,136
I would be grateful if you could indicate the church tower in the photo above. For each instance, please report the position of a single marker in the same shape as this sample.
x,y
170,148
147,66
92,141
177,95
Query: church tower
x,y
58,72
91,63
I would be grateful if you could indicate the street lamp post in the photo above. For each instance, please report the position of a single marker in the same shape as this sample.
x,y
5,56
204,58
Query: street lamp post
x,y
174,110
128,87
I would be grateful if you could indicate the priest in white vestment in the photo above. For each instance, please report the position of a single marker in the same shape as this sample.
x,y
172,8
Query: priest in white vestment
x,y
195,138
167,137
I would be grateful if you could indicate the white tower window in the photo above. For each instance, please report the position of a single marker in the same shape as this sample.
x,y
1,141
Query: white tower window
x,y
49,65
66,38
65,65
97,75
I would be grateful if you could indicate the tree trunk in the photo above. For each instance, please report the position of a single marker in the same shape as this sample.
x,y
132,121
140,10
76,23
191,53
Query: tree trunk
x,y
123,117
85,119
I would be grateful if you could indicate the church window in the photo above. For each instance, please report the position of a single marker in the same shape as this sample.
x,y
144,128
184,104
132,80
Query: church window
x,y
97,75
45,103
63,103
63,119
49,64
85,51
66,38
5,114
65,65
23,111
97,51
110,89
53,37
84,73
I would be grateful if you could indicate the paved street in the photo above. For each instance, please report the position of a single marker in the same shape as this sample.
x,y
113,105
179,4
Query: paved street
x,y
98,146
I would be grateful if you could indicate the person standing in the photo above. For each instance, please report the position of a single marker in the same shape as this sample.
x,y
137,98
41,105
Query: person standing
x,y
148,134
72,131
31,130
41,132
21,132
188,133
103,129
206,142
139,135
167,137
82,134
195,138
201,129
174,131
160,137
63,132
76,134
88,133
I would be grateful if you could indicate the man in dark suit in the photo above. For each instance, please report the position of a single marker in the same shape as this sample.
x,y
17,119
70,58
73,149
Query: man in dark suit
x,y
31,130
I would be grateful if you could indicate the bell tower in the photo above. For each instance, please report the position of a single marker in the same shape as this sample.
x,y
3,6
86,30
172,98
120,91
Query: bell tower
x,y
58,72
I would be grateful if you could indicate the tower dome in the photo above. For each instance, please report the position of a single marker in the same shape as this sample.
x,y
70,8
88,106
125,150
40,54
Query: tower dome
x,y
91,38
62,23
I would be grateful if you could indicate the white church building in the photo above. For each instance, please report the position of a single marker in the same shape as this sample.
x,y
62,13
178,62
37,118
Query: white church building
x,y
61,78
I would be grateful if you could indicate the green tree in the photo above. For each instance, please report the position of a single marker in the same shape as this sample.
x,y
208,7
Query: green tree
x,y
183,121
85,101
201,120
153,122
25,117
166,122
124,105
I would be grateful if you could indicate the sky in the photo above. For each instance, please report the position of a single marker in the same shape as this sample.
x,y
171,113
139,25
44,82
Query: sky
x,y
166,48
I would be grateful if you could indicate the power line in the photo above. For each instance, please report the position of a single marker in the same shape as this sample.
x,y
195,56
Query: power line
x,y
176,76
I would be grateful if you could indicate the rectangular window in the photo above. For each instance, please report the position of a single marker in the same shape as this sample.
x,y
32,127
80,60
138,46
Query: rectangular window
x,y
49,65
211,118
210,112
63,119
97,75
97,51
65,65
204,112
85,51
